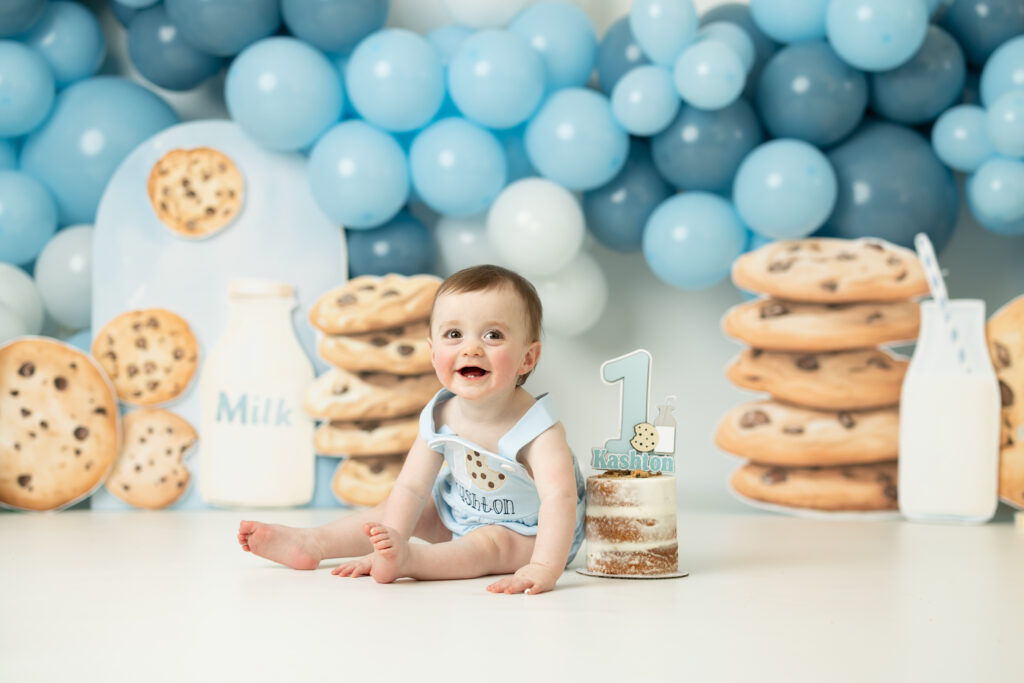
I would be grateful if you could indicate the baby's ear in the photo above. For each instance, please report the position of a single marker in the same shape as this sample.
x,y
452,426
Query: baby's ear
x,y
530,358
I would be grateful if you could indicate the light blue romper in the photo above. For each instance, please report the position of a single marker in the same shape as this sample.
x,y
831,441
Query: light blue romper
x,y
479,488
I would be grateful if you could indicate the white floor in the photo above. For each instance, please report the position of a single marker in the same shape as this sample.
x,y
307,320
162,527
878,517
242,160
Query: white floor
x,y
91,596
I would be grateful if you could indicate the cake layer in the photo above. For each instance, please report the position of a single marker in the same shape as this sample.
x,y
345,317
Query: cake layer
x,y
624,529
658,560
645,492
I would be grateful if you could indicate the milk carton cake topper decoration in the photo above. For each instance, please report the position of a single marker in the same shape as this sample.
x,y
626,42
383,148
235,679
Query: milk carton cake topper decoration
x,y
642,444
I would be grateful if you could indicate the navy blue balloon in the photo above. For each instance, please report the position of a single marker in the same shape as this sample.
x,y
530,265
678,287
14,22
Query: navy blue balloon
x,y
617,212
123,13
807,92
764,46
334,25
891,185
919,90
162,57
701,150
617,54
980,26
18,16
224,27
403,245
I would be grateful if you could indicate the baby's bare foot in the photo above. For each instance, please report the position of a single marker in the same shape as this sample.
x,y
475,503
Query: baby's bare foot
x,y
390,552
295,548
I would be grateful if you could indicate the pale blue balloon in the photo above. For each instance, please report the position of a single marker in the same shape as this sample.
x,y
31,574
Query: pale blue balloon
x,y
645,100
395,80
732,35
1003,72
618,53
283,93
359,175
575,140
981,26
790,21
18,16
95,123
457,167
663,28
691,240
876,35
162,56
70,39
496,79
63,274
709,75
920,89
28,217
447,39
960,138
26,89
8,155
564,36
764,47
334,25
785,189
995,193
224,27
1004,123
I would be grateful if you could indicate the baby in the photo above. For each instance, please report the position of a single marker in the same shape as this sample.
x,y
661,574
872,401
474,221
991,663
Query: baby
x,y
510,499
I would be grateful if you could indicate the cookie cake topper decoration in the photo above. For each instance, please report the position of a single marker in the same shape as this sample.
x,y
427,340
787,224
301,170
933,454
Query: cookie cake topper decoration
x,y
641,444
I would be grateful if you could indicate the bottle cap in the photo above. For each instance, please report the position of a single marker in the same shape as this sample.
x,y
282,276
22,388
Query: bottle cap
x,y
249,287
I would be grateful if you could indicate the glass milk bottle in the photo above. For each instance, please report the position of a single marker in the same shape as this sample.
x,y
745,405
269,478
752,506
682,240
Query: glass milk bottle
x,y
665,426
949,420
256,443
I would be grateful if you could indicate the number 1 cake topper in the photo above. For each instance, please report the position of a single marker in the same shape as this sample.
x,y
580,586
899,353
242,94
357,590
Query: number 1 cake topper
x,y
640,444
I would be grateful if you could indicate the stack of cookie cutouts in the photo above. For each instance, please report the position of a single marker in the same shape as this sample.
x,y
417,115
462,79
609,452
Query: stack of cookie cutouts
x,y
827,436
375,334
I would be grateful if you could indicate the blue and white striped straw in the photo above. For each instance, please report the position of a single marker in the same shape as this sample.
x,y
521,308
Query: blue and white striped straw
x,y
926,253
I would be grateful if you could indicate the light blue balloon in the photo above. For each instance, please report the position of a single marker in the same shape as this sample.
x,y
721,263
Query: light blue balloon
x,y
575,140
359,175
496,79
785,189
457,167
224,27
283,93
618,53
876,35
81,341
663,28
691,240
26,89
764,47
395,80
8,155
447,40
922,88
645,100
1004,123
70,39
28,217
403,245
807,92
709,75
995,193
95,123
1003,72
18,16
334,25
960,139
790,21
564,36
162,56
732,35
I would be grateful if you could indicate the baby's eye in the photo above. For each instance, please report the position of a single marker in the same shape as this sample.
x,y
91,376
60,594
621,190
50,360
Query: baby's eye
x,y
492,334
452,334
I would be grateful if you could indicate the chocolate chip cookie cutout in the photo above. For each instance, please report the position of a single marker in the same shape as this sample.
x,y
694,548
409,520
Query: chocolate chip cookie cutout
x,y
150,472
365,482
369,303
854,487
196,192
403,350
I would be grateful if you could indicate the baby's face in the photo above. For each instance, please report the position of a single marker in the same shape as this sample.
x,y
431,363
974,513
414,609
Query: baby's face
x,y
479,344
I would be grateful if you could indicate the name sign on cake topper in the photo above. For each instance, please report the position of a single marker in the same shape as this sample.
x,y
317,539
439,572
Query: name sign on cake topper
x,y
641,445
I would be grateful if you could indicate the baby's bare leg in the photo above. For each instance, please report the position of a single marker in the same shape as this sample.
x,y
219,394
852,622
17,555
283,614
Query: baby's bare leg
x,y
481,552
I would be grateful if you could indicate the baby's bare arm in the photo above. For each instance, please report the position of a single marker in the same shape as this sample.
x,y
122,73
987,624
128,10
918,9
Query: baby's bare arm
x,y
409,495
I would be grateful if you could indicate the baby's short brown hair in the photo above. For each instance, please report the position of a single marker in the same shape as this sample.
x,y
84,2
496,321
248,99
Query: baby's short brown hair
x,y
487,277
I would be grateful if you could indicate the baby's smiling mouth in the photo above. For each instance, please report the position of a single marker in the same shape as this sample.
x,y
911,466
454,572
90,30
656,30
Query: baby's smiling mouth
x,y
472,372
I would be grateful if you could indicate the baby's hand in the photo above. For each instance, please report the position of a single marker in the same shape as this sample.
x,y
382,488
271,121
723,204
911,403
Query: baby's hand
x,y
360,567
532,579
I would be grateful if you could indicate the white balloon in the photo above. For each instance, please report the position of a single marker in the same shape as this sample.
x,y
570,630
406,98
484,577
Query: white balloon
x,y
573,298
64,276
487,14
11,324
462,242
19,293
536,226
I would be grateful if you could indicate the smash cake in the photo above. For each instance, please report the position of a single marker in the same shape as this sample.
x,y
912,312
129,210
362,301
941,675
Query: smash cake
x,y
631,505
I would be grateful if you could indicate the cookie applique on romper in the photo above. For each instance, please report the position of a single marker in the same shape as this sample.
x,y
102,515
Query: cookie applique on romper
x,y
478,487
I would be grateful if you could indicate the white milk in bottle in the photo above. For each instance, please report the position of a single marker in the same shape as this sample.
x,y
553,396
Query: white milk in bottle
x,y
949,420
256,443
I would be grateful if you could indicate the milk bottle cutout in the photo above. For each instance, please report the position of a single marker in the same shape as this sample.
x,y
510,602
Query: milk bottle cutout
x,y
949,412
256,443
665,426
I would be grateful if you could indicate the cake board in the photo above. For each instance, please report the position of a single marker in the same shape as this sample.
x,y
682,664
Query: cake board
x,y
674,575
